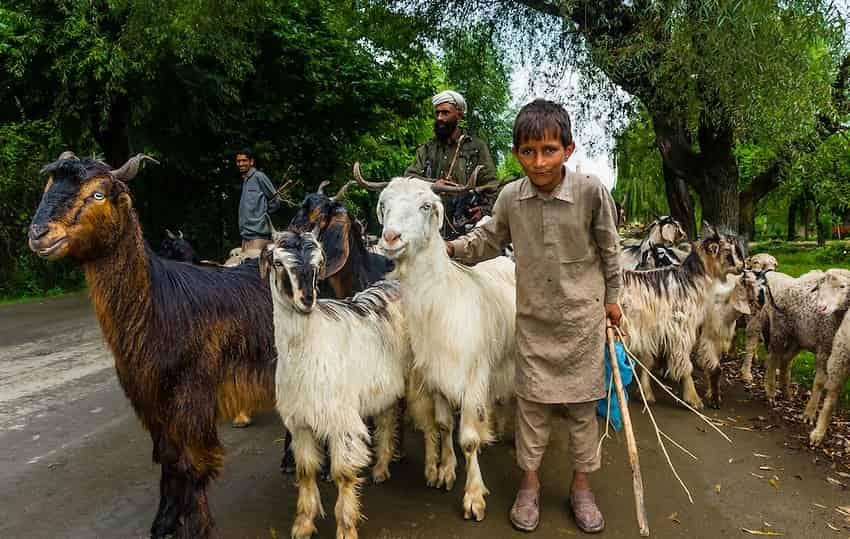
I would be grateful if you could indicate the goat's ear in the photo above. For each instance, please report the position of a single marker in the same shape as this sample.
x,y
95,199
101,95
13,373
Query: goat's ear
x,y
265,262
440,212
740,301
708,231
335,243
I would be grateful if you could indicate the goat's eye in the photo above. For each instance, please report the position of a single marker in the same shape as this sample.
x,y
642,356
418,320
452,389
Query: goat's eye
x,y
98,195
425,207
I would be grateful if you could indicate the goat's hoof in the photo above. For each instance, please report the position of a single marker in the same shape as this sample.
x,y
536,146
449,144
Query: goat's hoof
x,y
304,528
380,475
164,530
241,420
809,418
346,533
446,477
714,403
816,437
696,404
431,475
474,506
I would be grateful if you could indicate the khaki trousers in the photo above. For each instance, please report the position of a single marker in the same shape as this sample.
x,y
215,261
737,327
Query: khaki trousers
x,y
534,425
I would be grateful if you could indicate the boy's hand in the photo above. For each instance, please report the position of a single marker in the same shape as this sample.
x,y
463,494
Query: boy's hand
x,y
450,250
614,314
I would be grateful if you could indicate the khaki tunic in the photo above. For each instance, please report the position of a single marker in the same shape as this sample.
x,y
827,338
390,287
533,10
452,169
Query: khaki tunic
x,y
434,158
567,267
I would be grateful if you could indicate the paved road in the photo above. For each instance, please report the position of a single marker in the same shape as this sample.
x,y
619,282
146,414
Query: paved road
x,y
75,462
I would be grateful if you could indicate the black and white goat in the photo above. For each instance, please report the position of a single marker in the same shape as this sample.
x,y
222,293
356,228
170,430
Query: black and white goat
x,y
339,363
658,247
664,308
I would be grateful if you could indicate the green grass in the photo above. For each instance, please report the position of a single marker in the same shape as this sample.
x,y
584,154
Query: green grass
x,y
796,258
52,293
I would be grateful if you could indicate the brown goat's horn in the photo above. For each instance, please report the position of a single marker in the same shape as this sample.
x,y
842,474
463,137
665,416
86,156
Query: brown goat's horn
x,y
371,186
321,189
170,234
129,170
342,191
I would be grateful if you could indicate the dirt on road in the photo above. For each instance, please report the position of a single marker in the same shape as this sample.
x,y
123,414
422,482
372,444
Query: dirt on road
x,y
75,463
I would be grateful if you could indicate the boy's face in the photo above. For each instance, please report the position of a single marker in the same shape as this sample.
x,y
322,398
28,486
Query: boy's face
x,y
543,159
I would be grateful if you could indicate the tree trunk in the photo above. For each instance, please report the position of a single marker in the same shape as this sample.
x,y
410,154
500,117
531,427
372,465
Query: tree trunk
x,y
718,193
792,221
747,218
680,201
821,233
807,216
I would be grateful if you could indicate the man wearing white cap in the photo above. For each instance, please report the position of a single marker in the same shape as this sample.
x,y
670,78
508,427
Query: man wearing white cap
x,y
452,154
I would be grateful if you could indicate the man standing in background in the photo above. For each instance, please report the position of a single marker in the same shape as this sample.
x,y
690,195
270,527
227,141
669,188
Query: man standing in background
x,y
452,154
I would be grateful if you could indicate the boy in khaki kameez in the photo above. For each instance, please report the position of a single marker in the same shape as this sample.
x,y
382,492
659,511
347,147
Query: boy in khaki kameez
x,y
564,234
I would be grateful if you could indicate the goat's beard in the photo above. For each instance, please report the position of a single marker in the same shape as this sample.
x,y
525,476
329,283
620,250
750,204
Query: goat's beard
x,y
443,130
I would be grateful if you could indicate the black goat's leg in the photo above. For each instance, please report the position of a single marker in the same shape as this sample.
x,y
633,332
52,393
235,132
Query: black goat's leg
x,y
171,485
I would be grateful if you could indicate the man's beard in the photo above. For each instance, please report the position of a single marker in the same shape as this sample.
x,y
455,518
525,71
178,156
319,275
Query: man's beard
x,y
443,130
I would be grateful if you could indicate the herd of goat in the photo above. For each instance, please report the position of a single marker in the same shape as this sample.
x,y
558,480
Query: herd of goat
x,y
336,336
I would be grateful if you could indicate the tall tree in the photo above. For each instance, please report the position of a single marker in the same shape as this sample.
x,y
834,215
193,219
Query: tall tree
x,y
709,73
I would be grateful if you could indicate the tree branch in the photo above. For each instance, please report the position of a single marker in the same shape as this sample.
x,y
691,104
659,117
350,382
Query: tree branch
x,y
676,150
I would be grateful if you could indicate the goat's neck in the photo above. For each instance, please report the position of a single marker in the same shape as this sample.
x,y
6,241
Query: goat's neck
x,y
120,286
426,267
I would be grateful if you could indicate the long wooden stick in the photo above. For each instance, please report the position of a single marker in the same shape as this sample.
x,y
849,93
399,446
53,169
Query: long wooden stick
x,y
631,444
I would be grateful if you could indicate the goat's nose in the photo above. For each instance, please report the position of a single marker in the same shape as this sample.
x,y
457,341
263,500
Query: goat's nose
x,y
391,235
37,231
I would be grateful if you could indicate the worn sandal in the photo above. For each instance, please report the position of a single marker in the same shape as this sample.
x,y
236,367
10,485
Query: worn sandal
x,y
587,514
525,513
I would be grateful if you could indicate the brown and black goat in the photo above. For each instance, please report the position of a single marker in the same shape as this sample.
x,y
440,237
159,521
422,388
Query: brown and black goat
x,y
192,344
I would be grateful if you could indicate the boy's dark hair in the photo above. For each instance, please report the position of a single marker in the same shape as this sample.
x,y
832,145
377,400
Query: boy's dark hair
x,y
246,152
540,116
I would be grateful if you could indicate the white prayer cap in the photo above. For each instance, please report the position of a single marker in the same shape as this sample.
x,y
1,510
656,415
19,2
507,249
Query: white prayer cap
x,y
450,96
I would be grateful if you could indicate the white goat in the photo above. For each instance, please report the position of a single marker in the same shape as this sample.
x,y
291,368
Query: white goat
x,y
760,264
461,323
834,297
339,361
664,308
727,300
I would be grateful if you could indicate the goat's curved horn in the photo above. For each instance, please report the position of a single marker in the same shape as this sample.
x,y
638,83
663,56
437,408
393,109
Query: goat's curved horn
x,y
449,188
129,169
491,187
473,178
341,193
170,234
271,225
321,189
371,186
68,154
180,234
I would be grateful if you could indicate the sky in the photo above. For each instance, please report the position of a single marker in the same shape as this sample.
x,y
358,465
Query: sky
x,y
597,160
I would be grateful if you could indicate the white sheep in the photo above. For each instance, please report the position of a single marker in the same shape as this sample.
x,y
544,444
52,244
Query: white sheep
x,y
339,362
664,308
834,297
794,325
461,323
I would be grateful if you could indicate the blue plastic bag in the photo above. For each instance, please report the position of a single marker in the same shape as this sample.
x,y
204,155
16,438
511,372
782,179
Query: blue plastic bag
x,y
626,373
